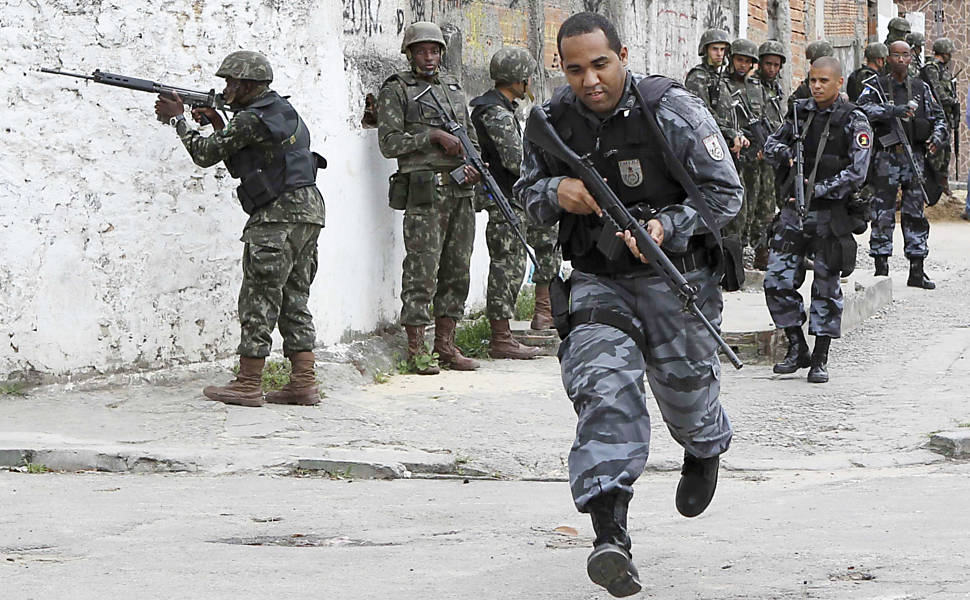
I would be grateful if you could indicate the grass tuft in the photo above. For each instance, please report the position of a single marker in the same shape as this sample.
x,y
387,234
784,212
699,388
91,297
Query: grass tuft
x,y
472,338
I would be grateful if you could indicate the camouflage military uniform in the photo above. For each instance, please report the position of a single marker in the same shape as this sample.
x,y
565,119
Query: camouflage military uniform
x,y
816,236
891,169
767,101
708,84
439,221
737,89
854,85
602,367
937,74
280,254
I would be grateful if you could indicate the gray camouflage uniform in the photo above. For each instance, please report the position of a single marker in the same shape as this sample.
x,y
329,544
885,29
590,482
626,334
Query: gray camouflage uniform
x,y
793,241
439,221
280,254
602,368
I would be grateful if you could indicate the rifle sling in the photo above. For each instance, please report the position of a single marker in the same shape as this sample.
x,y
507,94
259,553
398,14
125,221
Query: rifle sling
x,y
810,186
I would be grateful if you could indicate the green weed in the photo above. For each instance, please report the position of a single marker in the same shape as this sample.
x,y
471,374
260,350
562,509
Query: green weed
x,y
12,389
472,338
525,304
36,468
422,361
276,374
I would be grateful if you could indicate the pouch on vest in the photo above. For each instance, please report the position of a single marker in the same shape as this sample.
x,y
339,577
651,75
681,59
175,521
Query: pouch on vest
x,y
422,187
397,191
559,300
733,258
922,130
255,190
840,253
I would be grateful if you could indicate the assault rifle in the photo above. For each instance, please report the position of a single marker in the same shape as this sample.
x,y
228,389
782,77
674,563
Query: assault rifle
x,y
756,129
541,133
192,98
898,135
429,99
798,182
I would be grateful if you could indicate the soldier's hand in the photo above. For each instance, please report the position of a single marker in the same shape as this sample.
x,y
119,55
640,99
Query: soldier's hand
x,y
656,231
450,144
167,107
472,176
736,146
745,142
933,148
576,199
210,113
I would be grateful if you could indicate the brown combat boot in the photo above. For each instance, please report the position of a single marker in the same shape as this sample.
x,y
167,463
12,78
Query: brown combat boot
x,y
416,348
503,345
761,258
302,388
246,389
542,318
444,345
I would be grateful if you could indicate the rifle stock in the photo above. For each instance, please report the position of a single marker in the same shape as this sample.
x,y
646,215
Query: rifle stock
x,y
540,132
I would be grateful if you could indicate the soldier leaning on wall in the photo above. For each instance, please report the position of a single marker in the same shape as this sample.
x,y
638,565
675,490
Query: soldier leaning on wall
x,y
267,146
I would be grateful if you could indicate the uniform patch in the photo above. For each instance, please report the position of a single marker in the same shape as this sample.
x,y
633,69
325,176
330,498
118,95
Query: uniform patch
x,y
863,139
631,174
714,148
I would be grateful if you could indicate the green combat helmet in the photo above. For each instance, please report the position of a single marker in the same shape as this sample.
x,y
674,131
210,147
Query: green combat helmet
x,y
713,36
818,49
916,39
899,24
422,31
510,65
744,47
876,50
943,46
246,64
772,47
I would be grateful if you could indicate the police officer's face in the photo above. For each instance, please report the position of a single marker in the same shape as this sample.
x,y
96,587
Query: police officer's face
x,y
742,64
899,57
770,66
594,71
426,56
825,83
716,53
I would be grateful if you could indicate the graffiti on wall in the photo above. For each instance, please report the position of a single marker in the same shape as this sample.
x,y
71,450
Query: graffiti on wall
x,y
678,31
362,17
715,17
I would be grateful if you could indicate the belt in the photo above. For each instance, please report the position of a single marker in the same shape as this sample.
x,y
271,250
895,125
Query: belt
x,y
692,260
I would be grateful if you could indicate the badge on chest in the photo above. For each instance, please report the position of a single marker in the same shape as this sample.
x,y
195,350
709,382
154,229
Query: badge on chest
x,y
631,173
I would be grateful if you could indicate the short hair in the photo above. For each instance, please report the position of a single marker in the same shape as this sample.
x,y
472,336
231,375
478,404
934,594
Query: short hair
x,y
828,62
588,22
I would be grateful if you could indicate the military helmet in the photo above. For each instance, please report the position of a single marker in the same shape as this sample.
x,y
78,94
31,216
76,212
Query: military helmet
x,y
943,46
744,47
713,36
899,24
422,31
772,47
916,39
818,49
876,50
511,64
246,64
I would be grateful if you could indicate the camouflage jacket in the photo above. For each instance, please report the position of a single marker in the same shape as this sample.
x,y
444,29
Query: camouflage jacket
x,y
767,99
704,81
303,205
503,145
780,149
404,126
915,66
937,74
693,135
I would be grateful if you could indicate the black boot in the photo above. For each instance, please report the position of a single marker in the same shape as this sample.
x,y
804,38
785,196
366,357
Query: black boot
x,y
698,480
820,357
882,265
797,357
610,564
917,277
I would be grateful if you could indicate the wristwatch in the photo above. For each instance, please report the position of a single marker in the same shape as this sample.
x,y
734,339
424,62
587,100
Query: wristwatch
x,y
174,121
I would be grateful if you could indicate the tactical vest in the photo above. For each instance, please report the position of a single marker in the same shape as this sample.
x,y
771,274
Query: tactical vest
x,y
767,99
504,177
835,158
854,86
630,160
918,128
290,165
943,72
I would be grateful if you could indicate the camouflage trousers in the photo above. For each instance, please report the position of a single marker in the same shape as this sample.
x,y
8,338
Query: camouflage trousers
x,y
786,274
507,264
760,198
279,264
543,242
893,171
738,226
603,370
438,239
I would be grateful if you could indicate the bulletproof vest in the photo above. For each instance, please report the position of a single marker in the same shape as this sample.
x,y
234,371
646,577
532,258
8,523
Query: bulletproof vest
x,y
835,158
918,128
420,118
623,153
854,86
504,177
289,164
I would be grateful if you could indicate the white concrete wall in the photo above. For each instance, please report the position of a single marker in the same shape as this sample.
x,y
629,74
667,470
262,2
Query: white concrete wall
x,y
117,252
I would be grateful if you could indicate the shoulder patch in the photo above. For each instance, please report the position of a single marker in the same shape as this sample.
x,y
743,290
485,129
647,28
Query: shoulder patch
x,y
712,144
863,140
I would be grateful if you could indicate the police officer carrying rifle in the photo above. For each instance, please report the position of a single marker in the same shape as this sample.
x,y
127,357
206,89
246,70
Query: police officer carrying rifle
x,y
837,142
908,122
621,319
